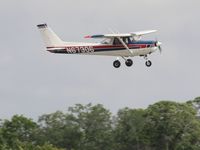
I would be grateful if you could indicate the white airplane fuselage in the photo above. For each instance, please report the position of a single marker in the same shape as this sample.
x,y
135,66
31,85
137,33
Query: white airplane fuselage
x,y
140,48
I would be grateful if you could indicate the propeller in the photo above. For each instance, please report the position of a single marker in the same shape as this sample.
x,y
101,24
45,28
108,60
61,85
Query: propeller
x,y
158,44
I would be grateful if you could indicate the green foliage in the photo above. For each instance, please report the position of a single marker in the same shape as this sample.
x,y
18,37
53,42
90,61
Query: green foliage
x,y
128,131
164,125
172,125
17,131
196,104
96,126
60,130
83,127
46,147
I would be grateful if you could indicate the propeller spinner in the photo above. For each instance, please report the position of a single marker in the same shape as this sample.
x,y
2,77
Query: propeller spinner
x,y
158,44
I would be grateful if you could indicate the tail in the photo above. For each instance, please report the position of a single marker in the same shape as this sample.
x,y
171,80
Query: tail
x,y
49,37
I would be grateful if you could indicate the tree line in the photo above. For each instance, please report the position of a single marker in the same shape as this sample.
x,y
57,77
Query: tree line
x,y
165,125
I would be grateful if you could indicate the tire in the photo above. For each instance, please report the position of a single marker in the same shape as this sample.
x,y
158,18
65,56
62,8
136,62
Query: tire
x,y
148,63
129,62
116,64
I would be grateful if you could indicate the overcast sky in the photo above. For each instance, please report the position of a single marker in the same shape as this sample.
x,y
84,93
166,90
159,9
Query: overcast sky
x,y
34,81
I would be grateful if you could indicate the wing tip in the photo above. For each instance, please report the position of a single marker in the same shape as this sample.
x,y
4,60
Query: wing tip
x,y
87,36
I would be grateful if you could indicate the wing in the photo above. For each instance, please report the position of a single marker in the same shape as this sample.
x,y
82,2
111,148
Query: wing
x,y
132,34
109,35
140,33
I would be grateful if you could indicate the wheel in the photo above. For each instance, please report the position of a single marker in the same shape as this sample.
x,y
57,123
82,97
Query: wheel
x,y
129,62
148,63
116,64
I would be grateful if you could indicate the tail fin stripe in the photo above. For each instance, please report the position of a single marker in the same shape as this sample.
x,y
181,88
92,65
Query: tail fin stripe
x,y
42,26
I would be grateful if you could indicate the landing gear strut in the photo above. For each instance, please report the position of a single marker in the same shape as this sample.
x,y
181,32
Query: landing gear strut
x,y
116,64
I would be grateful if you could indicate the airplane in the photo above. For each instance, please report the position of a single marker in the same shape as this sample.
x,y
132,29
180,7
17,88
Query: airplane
x,y
125,45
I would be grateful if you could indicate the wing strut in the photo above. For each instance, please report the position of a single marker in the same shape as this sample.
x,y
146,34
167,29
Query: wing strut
x,y
124,44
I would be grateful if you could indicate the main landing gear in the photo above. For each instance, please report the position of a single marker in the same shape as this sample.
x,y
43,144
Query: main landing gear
x,y
128,63
116,64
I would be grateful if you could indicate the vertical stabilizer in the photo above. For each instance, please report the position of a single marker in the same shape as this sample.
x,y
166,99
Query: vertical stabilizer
x,y
49,37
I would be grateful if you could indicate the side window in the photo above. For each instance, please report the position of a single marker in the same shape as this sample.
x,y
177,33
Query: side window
x,y
106,41
116,41
126,40
131,39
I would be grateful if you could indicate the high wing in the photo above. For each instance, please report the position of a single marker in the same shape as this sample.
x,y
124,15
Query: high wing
x,y
140,33
132,34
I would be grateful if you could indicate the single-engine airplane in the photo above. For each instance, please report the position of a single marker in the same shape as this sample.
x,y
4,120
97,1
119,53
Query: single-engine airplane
x,y
116,44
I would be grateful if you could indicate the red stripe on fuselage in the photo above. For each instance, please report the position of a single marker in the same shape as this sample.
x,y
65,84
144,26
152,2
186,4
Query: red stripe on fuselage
x,y
105,46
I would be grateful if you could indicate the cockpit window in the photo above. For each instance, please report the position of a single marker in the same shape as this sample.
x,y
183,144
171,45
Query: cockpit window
x,y
116,41
126,40
106,41
131,39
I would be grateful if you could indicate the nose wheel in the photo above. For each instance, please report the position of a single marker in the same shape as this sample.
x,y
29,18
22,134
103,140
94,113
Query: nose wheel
x,y
148,63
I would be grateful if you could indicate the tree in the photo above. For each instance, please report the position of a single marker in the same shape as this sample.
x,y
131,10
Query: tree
x,y
171,125
128,129
17,131
196,104
46,147
83,127
96,126
60,129
164,125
